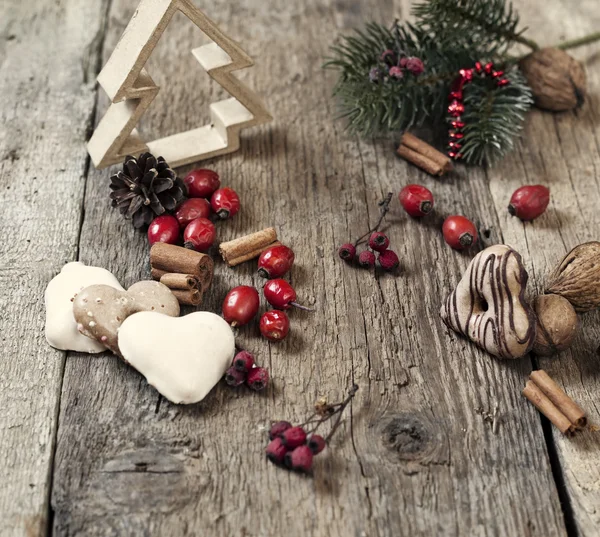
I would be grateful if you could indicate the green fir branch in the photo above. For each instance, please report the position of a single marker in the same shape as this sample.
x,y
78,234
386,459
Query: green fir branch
x,y
494,117
490,25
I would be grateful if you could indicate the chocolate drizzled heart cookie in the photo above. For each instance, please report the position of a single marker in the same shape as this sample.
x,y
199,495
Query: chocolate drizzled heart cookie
x,y
489,307
99,310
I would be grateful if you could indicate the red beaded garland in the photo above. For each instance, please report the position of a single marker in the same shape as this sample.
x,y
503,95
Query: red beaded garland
x,y
456,107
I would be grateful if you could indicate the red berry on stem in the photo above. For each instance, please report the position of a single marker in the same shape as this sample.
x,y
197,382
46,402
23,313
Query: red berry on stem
x,y
459,232
347,251
233,377
316,443
258,378
281,295
529,202
225,202
378,241
164,228
366,259
300,459
276,451
293,437
243,361
278,427
416,200
274,325
275,261
201,183
240,305
199,234
191,209
388,260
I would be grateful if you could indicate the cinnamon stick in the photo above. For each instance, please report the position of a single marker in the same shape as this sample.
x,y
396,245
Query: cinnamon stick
x,y
547,408
248,247
174,280
559,398
189,297
423,155
170,258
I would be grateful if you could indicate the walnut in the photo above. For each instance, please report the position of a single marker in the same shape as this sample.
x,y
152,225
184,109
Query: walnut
x,y
557,80
577,277
557,324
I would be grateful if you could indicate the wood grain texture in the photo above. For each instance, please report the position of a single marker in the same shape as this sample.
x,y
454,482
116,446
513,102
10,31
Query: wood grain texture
x,y
45,112
415,457
562,151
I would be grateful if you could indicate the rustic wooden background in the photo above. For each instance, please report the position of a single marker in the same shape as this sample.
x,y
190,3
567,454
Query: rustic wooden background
x,y
86,447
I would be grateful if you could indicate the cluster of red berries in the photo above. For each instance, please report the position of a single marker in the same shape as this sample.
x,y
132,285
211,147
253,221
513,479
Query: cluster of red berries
x,y
242,303
291,447
396,66
377,242
294,446
192,216
244,370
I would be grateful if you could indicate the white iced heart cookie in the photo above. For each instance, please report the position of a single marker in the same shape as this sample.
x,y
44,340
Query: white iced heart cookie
x,y
61,328
183,357
489,307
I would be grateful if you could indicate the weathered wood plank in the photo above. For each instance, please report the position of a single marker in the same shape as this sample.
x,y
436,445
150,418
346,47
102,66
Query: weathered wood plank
x,y
47,58
562,151
416,458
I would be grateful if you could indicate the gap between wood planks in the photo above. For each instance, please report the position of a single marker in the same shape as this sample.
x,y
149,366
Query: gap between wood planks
x,y
96,46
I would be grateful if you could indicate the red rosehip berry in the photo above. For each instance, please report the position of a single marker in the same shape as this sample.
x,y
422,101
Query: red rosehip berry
x,y
459,232
191,209
388,260
201,183
233,377
240,305
416,200
293,437
300,459
258,378
278,427
347,252
529,202
378,241
276,451
281,295
275,261
316,443
199,234
274,325
243,361
225,202
164,228
366,259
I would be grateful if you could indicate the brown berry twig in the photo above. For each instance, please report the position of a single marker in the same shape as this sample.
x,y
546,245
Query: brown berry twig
x,y
294,447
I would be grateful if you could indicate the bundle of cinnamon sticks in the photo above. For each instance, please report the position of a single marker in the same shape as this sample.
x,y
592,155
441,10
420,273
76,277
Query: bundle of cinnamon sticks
x,y
554,403
186,272
421,154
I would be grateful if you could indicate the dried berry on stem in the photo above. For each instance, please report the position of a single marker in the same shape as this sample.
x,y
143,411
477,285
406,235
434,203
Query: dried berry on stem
x,y
295,446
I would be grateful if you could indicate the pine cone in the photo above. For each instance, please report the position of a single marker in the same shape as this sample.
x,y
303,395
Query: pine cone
x,y
557,80
146,188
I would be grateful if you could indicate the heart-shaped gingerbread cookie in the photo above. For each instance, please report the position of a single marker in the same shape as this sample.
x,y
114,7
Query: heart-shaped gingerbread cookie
x,y
184,357
100,310
489,307
61,328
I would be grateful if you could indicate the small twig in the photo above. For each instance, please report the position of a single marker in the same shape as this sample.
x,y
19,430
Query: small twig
x,y
385,207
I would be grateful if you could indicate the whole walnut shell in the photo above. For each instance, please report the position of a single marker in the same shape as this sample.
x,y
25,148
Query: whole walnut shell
x,y
556,79
557,324
577,277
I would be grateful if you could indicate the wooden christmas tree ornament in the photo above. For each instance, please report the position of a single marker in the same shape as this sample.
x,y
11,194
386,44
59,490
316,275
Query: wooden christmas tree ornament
x,y
132,90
